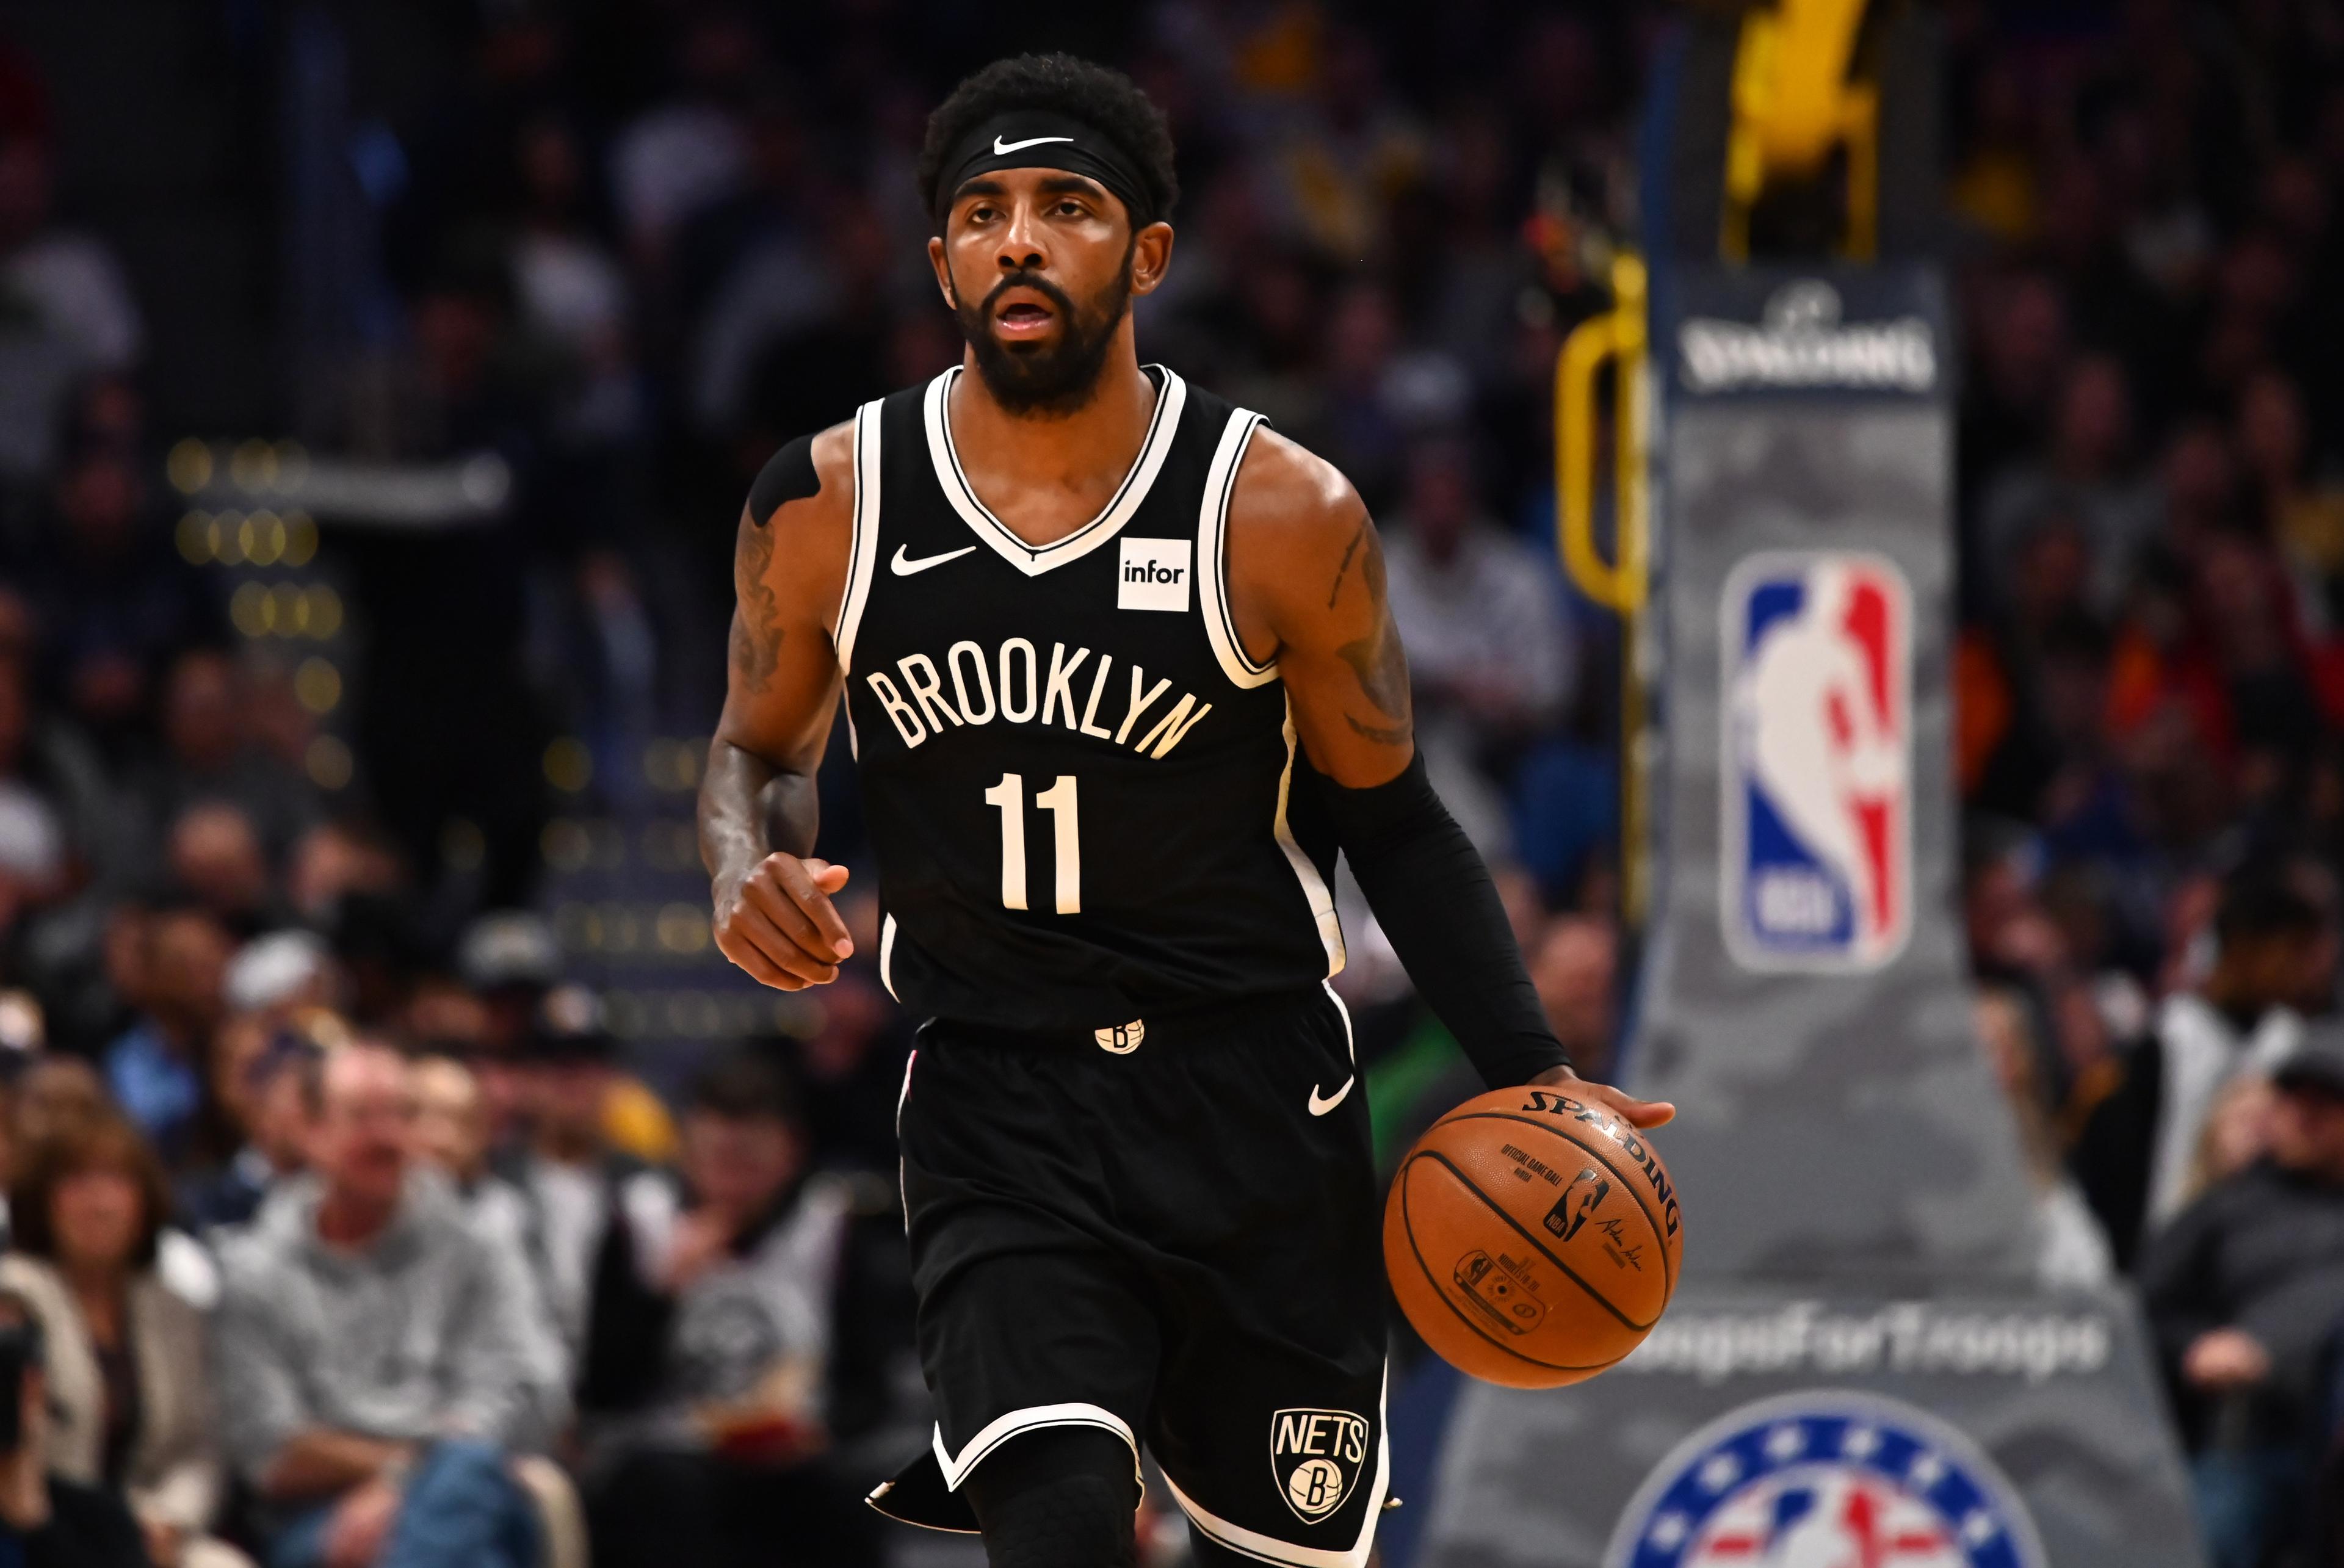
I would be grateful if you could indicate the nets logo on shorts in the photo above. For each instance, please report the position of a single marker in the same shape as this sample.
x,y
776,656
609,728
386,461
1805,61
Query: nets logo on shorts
x,y
1826,1480
1315,1457
1816,762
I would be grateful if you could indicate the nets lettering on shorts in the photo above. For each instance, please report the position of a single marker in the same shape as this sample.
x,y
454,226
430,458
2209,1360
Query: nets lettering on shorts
x,y
1317,1456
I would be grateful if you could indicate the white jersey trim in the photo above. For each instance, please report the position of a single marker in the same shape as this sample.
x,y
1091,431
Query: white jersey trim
x,y
1034,560
887,956
1264,1548
864,555
1212,543
1314,886
957,1467
1351,1042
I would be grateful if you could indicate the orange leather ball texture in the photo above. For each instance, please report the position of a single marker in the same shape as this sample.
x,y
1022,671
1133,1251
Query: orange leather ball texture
x,y
1533,1238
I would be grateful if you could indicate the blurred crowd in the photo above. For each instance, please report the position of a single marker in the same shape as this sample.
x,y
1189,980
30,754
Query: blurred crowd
x,y
343,1231
2151,721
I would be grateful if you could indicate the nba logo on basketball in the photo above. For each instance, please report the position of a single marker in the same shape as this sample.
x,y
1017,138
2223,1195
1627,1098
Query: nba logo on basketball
x,y
1816,763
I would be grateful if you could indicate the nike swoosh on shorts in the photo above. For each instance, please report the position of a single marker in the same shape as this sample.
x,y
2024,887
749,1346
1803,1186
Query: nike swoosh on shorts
x,y
901,567
1321,1105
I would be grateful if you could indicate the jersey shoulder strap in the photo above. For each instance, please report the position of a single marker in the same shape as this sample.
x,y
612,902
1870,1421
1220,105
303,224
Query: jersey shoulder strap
x,y
864,554
1230,442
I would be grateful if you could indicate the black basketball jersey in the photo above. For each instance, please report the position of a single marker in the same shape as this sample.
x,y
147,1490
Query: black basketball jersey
x,y
1078,786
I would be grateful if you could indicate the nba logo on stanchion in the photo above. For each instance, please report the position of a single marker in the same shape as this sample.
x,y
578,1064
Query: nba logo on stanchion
x,y
1817,761
1828,1480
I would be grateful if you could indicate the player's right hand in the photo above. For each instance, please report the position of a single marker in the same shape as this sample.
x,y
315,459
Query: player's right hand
x,y
778,924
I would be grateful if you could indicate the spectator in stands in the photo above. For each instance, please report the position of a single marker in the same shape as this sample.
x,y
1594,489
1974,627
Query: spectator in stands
x,y
259,1082
278,977
2302,506
1482,616
215,855
451,1132
211,756
2242,1292
708,1345
690,151
2237,1133
156,1068
72,281
570,287
121,601
2085,475
130,1402
75,313
54,1093
508,960
53,796
2071,1250
339,861
46,1519
1573,965
377,1364
2021,354
569,1167
2270,947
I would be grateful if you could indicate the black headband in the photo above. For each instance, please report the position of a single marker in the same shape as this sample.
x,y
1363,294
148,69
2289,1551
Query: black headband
x,y
1040,138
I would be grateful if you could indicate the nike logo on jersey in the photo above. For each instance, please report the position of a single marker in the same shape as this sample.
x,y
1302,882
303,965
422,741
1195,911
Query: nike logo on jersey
x,y
903,566
1002,148
1321,1104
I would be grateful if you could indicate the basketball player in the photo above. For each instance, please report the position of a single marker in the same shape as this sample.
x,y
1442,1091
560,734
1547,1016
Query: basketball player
x,y
1121,679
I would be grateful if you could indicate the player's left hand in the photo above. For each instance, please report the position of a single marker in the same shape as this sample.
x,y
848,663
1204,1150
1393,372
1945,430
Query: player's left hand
x,y
1640,1113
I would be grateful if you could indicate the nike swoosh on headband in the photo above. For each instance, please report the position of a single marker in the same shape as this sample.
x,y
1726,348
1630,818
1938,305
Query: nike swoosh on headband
x,y
1002,148
902,566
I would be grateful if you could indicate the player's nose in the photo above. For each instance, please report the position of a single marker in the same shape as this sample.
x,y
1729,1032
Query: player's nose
x,y
1021,241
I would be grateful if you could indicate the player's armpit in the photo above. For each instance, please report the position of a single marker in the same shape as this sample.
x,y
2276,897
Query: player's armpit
x,y
1306,586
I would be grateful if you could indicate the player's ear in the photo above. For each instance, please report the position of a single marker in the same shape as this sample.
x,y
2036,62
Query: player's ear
x,y
943,269
1151,256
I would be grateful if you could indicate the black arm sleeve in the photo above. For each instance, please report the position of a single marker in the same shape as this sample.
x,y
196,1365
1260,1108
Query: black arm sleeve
x,y
1434,899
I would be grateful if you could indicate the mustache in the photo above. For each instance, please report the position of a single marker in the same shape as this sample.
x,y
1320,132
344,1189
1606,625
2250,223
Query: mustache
x,y
1038,284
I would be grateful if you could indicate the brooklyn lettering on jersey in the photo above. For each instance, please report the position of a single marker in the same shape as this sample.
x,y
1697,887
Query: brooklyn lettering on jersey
x,y
1017,684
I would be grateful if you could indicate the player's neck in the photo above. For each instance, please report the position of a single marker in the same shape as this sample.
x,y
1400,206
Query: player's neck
x,y
1044,476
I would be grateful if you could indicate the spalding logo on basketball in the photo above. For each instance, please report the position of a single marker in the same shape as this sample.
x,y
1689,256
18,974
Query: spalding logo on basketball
x,y
1826,1480
1532,1238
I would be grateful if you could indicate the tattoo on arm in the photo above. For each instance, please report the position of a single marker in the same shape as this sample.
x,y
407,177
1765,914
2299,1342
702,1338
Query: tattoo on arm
x,y
1377,661
756,643
1349,550
1382,735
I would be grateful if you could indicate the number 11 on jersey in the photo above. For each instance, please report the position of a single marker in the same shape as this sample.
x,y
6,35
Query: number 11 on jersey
x,y
1008,797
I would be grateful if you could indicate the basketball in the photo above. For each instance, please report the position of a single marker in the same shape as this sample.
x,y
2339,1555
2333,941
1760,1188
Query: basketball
x,y
1532,1238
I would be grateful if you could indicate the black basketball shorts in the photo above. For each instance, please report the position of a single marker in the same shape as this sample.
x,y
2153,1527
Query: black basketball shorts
x,y
1167,1232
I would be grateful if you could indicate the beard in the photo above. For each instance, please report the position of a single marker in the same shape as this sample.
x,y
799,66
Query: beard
x,y
1048,380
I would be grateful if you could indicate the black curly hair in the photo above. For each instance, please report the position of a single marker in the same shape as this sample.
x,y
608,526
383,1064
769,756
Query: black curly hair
x,y
1104,99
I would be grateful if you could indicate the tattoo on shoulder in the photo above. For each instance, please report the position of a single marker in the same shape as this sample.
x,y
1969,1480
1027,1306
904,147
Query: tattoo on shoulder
x,y
756,642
